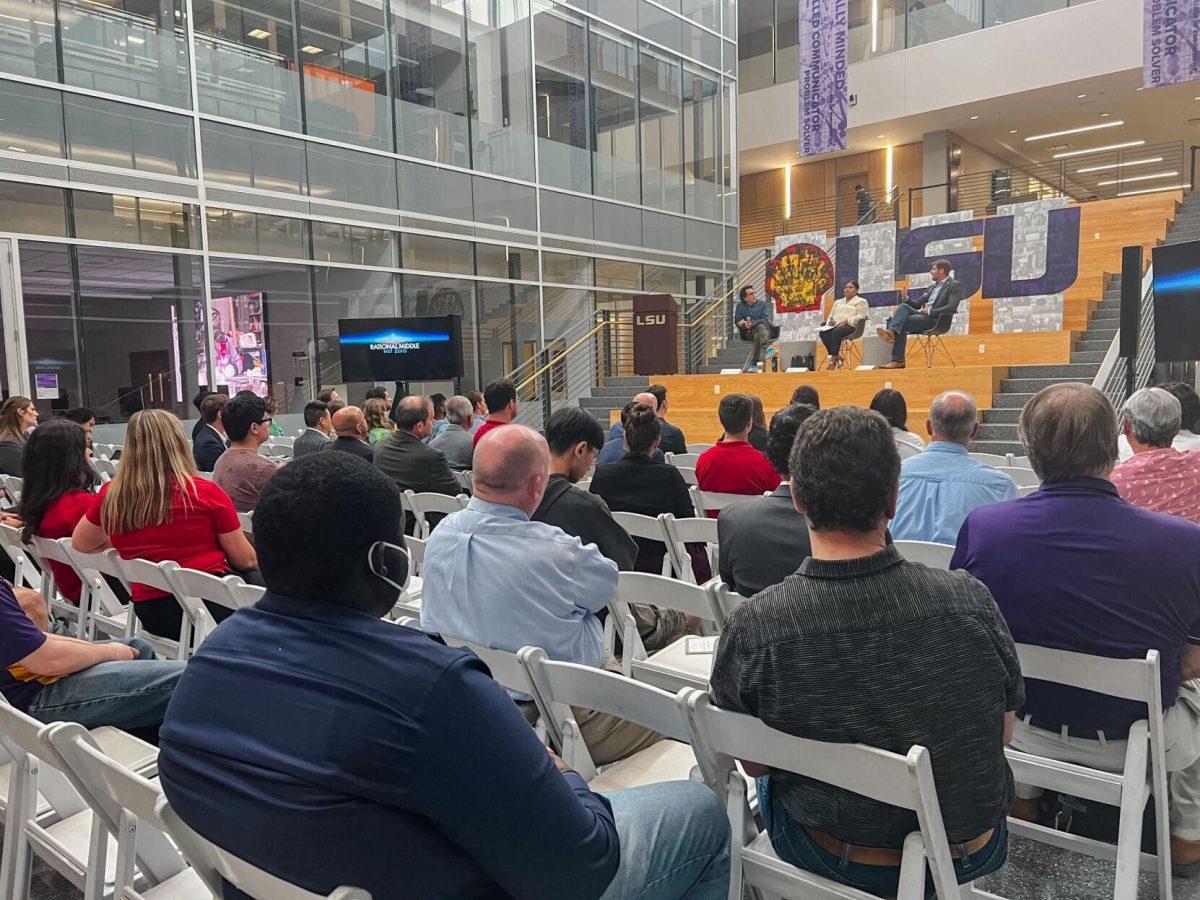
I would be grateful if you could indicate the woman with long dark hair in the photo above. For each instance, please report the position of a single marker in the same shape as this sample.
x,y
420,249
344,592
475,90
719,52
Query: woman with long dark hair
x,y
890,404
56,491
18,417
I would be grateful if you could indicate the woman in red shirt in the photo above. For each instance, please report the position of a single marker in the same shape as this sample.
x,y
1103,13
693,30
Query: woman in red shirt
x,y
56,491
157,508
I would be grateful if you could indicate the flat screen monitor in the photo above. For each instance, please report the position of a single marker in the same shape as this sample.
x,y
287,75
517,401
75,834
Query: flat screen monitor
x,y
414,348
1177,302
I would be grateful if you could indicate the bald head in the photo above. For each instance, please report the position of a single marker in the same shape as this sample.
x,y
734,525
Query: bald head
x,y
349,421
649,399
511,466
952,417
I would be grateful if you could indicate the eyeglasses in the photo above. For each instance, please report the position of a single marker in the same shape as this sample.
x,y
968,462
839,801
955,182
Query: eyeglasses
x,y
266,421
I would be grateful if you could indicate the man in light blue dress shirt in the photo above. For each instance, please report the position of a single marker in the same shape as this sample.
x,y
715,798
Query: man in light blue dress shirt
x,y
493,577
942,484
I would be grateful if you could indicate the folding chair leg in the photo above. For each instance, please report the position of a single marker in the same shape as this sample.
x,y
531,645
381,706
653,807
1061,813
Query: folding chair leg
x,y
93,878
15,866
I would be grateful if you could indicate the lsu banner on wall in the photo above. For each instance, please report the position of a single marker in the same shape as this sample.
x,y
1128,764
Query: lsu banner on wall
x,y
823,76
1170,41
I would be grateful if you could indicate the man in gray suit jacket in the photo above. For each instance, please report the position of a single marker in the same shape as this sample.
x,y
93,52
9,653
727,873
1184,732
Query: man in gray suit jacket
x,y
410,463
941,302
316,433
456,441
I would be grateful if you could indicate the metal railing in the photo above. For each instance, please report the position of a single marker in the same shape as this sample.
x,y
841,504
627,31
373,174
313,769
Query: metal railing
x,y
1114,377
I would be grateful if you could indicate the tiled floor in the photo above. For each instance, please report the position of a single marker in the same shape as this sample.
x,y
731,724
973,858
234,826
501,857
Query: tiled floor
x,y
1033,872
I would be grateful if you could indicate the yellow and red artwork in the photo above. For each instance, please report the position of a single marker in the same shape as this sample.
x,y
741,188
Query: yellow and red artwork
x,y
798,277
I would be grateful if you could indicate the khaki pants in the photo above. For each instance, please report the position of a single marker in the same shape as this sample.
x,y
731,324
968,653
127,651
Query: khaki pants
x,y
1181,724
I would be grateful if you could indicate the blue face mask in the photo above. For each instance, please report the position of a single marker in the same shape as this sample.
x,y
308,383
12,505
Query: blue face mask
x,y
387,561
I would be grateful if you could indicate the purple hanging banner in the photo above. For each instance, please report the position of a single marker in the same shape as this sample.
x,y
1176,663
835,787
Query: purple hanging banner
x,y
823,76
1170,38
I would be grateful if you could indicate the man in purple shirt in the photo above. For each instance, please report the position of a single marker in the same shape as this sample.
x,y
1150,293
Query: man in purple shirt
x,y
1075,567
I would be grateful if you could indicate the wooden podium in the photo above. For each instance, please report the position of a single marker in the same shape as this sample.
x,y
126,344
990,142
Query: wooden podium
x,y
655,335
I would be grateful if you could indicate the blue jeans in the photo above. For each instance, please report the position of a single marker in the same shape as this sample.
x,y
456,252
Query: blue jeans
x,y
674,843
905,321
793,844
127,695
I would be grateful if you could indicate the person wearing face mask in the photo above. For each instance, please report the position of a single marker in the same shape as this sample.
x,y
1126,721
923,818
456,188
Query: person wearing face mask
x,y
352,736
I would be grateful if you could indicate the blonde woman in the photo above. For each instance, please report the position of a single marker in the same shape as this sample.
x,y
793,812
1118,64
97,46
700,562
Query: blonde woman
x,y
157,508
846,319
18,416
378,424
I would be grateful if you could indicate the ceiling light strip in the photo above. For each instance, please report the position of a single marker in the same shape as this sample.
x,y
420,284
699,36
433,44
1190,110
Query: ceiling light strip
x,y
1137,178
1079,130
1122,146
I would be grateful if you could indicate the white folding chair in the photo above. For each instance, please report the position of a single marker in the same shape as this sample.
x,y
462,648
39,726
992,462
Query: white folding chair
x,y
989,459
907,450
105,613
720,736
124,804
194,588
464,481
102,451
57,550
1144,774
682,459
195,615
647,527
705,502
1023,477
928,553
65,836
724,600
558,686
469,481
426,502
105,468
1026,490
409,603
680,533
689,475
12,489
283,440
698,448
212,864
26,572
508,672
247,520
1019,462
670,668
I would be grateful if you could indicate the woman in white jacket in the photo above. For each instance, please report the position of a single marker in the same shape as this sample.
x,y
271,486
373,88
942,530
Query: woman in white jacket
x,y
846,319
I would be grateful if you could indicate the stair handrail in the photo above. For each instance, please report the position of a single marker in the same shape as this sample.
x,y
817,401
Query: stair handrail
x,y
557,360
757,267
1113,376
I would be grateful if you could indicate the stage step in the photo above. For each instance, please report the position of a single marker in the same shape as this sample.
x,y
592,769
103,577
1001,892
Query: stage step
x,y
1033,385
1092,345
1001,416
1079,371
998,432
1092,357
1010,401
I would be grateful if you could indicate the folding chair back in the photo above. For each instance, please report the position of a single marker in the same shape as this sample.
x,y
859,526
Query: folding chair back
x,y
229,591
989,459
212,864
907,450
1018,462
247,521
698,448
26,572
427,502
416,552
56,550
123,801
689,475
721,736
558,686
409,601
724,600
506,669
196,620
463,480
105,612
1023,477
928,553
650,528
682,532
1028,489
656,590
12,488
683,459
705,502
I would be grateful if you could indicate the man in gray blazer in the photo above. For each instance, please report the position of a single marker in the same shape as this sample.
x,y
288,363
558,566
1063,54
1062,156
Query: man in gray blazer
x,y
455,441
414,465
316,433
940,302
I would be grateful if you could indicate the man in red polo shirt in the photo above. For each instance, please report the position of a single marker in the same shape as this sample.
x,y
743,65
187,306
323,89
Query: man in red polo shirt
x,y
501,399
733,466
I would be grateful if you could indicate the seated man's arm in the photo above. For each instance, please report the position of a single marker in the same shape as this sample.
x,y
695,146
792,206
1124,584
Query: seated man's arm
x,y
65,656
593,578
490,786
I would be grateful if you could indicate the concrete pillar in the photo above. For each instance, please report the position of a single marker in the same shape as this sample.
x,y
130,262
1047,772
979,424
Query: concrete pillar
x,y
935,170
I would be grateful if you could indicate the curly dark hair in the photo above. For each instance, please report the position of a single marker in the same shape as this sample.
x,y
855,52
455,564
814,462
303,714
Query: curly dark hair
x,y
844,468
784,425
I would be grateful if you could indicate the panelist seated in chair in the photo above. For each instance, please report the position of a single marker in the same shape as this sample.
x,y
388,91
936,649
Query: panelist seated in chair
x,y
846,321
753,319
918,315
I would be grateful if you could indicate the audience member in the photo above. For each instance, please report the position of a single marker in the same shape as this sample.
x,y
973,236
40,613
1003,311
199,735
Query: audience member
x,y
317,426
1158,477
274,429
478,410
455,442
440,424
575,439
764,540
350,426
61,679
617,429
1189,420
806,394
334,407
405,459
84,418
1074,567
241,472
18,416
638,483
861,646
198,402
504,819
379,423
733,466
378,393
330,395
757,438
501,400
56,491
210,443
157,508
941,485
890,404
544,587
672,440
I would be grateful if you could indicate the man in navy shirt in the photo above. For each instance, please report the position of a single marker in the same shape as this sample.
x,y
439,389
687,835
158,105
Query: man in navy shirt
x,y
1075,567
330,747
753,319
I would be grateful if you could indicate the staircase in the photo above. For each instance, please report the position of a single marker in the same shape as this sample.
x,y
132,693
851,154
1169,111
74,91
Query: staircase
x,y
615,393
